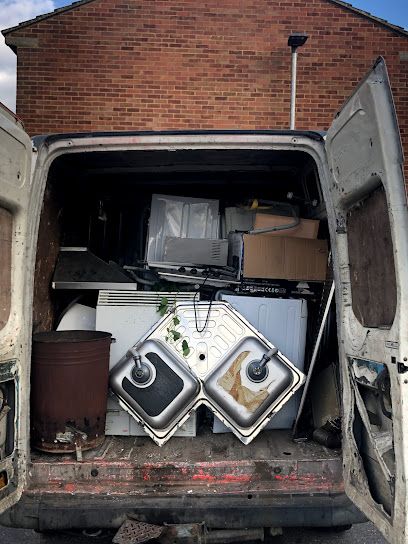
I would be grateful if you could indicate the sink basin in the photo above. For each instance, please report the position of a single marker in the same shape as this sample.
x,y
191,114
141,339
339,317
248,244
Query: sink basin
x,y
242,401
166,396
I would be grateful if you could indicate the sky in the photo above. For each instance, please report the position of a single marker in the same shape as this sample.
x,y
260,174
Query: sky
x,y
13,12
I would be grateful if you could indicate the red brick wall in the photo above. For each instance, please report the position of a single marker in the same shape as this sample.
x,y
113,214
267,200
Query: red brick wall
x,y
187,64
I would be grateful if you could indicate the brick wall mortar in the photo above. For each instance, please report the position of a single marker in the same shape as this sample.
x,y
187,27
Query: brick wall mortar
x,y
184,64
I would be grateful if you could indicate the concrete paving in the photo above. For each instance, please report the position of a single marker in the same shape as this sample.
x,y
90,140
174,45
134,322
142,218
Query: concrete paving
x,y
361,534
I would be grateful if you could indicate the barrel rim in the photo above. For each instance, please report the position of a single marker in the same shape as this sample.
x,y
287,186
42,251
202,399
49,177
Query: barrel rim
x,y
70,336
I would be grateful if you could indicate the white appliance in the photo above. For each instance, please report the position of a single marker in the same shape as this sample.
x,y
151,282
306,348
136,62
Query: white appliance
x,y
128,315
283,322
78,317
180,217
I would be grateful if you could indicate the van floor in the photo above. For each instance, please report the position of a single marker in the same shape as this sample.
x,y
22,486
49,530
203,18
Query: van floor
x,y
268,445
208,462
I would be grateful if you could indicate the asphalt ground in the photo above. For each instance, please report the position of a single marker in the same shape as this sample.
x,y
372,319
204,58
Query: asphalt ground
x,y
364,533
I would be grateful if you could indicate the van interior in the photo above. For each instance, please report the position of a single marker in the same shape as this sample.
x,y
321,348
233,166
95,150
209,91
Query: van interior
x,y
102,201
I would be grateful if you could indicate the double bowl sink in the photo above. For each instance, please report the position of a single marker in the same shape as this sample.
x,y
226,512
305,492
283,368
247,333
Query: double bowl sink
x,y
198,354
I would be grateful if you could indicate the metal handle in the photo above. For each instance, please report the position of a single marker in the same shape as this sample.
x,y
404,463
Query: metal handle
x,y
141,373
135,355
267,357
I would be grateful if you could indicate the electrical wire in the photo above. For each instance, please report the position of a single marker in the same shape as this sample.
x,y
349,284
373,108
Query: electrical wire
x,y
209,307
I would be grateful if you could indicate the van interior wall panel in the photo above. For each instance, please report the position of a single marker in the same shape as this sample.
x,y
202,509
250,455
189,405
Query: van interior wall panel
x,y
373,280
379,486
47,253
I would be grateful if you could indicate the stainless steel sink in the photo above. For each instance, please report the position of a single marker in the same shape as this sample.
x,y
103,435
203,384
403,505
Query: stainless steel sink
x,y
242,401
213,371
161,400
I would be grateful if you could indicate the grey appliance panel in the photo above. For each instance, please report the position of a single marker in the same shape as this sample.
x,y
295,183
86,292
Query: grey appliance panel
x,y
282,321
181,217
196,251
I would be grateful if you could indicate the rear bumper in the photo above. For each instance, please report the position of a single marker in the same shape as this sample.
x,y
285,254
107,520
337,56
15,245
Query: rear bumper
x,y
228,494
78,512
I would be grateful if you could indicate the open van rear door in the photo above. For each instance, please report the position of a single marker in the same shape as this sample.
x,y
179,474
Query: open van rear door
x,y
367,207
17,226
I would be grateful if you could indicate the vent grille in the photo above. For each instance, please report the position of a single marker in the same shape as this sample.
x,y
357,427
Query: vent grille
x,y
216,250
141,298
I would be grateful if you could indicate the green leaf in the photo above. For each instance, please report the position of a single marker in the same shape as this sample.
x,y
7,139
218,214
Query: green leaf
x,y
176,335
185,348
163,306
176,320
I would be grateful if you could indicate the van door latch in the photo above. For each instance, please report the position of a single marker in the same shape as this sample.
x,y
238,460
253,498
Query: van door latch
x,y
341,225
402,368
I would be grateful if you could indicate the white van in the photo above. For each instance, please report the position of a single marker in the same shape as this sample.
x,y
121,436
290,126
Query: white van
x,y
352,180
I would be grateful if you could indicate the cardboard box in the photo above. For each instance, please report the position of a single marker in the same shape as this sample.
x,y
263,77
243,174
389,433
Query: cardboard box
x,y
307,228
278,257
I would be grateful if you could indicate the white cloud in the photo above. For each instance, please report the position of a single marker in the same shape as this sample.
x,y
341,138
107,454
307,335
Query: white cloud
x,y
13,12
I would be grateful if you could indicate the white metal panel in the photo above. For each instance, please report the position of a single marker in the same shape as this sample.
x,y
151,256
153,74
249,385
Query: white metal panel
x,y
18,199
365,155
128,315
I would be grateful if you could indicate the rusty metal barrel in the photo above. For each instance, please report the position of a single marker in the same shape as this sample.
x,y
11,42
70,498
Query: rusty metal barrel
x,y
69,388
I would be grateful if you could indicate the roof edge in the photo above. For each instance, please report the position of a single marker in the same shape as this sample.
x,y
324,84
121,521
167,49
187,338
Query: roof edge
x,y
340,3
383,22
47,139
35,20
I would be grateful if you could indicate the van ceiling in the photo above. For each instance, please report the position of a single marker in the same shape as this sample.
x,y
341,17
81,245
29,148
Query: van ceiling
x,y
211,160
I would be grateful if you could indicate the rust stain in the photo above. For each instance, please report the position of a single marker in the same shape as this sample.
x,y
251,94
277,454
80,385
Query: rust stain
x,y
286,477
202,476
176,479
70,488
231,382
241,478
